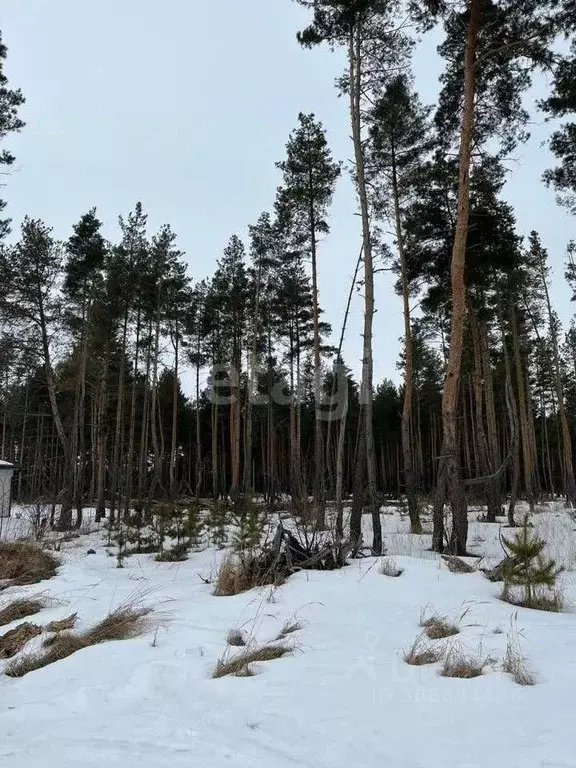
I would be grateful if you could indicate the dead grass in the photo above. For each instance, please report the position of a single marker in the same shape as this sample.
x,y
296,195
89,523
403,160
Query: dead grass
x,y
21,608
421,652
389,567
436,627
236,575
23,563
551,600
241,665
125,622
514,662
178,554
14,640
290,626
236,638
458,663
457,565
62,625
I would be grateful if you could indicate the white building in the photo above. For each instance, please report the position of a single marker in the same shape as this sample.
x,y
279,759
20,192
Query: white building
x,y
6,472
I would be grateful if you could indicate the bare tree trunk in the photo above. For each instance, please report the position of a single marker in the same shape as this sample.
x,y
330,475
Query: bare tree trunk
x,y
344,414
132,427
65,519
23,438
522,411
407,408
449,484
319,487
102,438
248,438
214,428
117,451
198,436
569,482
487,467
145,429
157,463
175,403
366,394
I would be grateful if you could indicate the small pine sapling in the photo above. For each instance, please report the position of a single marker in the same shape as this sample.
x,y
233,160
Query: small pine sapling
x,y
134,530
161,522
217,522
527,568
121,541
193,527
248,537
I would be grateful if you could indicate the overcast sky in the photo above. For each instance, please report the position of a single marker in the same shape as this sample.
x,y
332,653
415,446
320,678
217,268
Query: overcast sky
x,y
186,106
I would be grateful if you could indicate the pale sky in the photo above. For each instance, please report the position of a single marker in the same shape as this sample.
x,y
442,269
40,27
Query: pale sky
x,y
186,106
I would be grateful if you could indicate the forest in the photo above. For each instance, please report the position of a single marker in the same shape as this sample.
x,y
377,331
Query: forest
x,y
96,336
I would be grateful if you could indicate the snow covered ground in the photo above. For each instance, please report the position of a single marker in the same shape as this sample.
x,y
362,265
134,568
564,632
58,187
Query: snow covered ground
x,y
344,698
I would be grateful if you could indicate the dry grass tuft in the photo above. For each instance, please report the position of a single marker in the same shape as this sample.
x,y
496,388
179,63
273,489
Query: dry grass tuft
x,y
422,652
514,662
21,608
236,575
125,622
64,624
16,639
23,563
236,638
515,665
459,664
457,565
549,600
389,567
241,664
290,626
436,626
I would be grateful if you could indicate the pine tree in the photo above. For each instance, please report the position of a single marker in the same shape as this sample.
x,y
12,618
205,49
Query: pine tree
x,y
125,269
10,102
86,250
309,176
528,568
375,41
562,104
401,141
538,255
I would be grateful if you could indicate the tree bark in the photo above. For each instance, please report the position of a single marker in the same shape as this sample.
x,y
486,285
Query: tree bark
x,y
366,393
407,408
449,484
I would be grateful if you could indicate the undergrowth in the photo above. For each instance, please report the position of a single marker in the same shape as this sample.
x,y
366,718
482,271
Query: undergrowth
x,y
23,563
125,622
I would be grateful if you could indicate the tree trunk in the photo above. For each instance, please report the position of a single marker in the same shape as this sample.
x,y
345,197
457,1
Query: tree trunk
x,y
407,408
569,482
487,467
175,403
117,451
449,484
522,411
366,394
132,427
319,489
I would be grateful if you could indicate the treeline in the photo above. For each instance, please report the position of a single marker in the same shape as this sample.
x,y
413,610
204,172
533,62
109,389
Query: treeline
x,y
97,335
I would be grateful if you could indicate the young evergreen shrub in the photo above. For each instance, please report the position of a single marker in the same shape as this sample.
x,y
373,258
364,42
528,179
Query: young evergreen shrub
x,y
138,536
217,523
250,530
528,571
194,527
176,554
162,523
